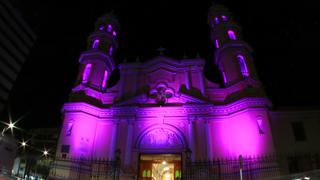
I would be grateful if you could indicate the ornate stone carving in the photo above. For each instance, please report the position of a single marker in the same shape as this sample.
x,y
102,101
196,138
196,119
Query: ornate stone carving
x,y
161,93
161,138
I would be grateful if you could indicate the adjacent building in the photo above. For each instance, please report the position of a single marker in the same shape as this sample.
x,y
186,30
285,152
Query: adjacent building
x,y
16,41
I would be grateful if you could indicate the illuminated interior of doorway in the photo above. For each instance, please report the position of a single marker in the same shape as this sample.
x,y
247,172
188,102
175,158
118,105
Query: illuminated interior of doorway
x,y
160,166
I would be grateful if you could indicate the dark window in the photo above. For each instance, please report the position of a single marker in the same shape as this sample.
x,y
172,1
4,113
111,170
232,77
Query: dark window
x,y
298,131
65,148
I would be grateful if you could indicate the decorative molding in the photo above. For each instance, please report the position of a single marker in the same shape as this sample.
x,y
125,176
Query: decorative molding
x,y
197,110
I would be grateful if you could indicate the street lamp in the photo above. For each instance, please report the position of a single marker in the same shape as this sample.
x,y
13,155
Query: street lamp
x,y
23,144
45,153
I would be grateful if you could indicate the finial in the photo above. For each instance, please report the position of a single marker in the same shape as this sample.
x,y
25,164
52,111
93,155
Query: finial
x,y
161,50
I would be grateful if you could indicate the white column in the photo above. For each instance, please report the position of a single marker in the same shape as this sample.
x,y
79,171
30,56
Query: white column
x,y
190,139
114,140
209,143
127,160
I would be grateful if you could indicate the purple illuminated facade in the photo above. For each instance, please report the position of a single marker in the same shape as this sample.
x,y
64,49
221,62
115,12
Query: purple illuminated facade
x,y
166,105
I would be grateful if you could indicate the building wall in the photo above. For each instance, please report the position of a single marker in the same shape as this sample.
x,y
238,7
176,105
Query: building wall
x,y
8,148
285,141
16,40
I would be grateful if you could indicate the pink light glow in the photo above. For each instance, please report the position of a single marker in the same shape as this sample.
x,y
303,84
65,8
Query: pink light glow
x,y
86,73
114,33
239,136
110,51
109,28
231,35
243,66
105,78
95,43
216,20
86,132
101,28
224,18
217,43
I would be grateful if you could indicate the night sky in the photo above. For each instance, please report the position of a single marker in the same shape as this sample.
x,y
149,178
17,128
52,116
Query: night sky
x,y
284,36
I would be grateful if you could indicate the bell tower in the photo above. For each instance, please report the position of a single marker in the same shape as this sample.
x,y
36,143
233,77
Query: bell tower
x,y
233,55
97,61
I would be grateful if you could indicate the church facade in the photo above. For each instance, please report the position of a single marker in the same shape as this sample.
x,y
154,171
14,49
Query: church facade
x,y
164,107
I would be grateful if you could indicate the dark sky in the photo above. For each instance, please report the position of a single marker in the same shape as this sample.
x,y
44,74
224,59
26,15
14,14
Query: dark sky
x,y
284,36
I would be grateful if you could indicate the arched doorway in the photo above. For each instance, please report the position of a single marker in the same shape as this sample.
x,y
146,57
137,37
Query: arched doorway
x,y
160,148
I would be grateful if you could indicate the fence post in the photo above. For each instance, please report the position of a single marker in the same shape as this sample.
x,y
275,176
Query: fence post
x,y
116,164
241,164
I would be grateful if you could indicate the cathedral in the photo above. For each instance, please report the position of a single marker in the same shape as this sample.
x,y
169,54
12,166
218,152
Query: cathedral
x,y
164,111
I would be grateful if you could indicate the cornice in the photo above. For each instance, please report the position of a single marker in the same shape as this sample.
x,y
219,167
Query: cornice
x,y
177,111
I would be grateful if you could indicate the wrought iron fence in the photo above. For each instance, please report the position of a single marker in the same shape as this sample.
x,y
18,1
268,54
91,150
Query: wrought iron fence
x,y
248,168
80,169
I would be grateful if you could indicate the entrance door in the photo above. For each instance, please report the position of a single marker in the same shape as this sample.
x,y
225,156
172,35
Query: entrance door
x,y
160,167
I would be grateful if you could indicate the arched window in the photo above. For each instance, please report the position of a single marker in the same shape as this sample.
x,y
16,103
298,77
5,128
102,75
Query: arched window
x,y
217,43
109,29
216,20
105,78
243,66
69,129
114,33
86,73
110,51
231,35
224,18
260,124
95,44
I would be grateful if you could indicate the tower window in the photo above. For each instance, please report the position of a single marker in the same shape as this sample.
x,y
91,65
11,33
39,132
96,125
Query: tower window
x,y
86,73
298,131
95,44
114,33
109,29
224,18
231,35
243,66
224,77
110,51
105,78
101,28
217,43
216,20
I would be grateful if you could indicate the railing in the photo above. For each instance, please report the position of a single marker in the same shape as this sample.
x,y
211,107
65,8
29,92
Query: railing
x,y
72,169
244,168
